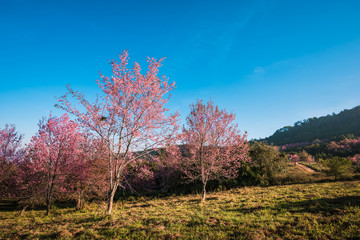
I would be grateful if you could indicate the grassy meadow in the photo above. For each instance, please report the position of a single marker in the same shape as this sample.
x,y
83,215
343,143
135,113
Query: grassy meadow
x,y
323,210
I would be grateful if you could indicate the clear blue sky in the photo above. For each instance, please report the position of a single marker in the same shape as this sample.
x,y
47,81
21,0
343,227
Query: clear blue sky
x,y
270,62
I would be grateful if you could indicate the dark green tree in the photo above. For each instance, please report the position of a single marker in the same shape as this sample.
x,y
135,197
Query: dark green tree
x,y
337,166
266,163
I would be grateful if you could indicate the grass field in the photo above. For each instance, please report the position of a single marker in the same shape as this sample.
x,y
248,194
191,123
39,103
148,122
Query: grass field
x,y
301,211
310,210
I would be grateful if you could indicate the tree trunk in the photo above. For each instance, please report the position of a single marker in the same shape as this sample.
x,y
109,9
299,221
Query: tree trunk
x,y
48,194
111,199
78,202
48,206
203,197
23,210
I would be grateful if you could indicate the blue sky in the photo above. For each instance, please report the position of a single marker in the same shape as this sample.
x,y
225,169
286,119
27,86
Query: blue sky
x,y
270,62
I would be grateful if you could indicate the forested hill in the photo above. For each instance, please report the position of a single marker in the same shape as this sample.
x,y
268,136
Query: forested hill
x,y
327,127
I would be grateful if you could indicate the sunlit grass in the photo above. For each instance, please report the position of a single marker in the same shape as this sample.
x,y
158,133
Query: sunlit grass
x,y
299,211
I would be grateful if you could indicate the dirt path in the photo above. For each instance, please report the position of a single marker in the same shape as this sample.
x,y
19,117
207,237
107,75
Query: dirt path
x,y
305,168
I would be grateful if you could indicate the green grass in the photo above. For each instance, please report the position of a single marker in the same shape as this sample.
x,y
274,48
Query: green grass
x,y
300,211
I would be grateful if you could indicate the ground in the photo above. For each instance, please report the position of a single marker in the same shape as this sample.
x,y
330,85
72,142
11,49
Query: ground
x,y
326,210
305,168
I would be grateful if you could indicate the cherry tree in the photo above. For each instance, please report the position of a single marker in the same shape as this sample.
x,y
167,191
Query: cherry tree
x,y
356,162
129,116
54,153
216,146
88,175
11,153
294,158
168,163
10,143
139,176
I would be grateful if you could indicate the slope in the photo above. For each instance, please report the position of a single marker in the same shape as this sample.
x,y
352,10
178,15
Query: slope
x,y
347,122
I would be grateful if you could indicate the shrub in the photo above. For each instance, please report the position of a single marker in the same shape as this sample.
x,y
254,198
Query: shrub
x,y
337,166
266,164
306,157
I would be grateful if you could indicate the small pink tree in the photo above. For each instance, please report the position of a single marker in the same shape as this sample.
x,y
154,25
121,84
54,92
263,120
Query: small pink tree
x,y
30,187
216,147
93,181
294,158
54,153
356,162
10,143
11,153
129,117
87,175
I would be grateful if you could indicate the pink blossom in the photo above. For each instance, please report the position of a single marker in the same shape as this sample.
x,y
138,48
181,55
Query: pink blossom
x,y
216,147
54,153
128,117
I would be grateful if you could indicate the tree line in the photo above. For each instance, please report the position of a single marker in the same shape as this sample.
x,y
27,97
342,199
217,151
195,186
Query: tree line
x,y
347,122
98,147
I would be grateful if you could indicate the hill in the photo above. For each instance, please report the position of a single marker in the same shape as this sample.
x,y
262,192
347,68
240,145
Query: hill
x,y
347,122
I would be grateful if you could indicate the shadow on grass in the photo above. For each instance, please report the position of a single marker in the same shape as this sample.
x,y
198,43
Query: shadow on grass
x,y
11,205
8,205
141,206
198,200
320,205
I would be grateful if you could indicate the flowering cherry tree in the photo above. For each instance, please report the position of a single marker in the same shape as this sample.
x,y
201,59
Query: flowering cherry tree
x,y
10,143
294,158
345,144
139,176
87,177
216,147
129,116
54,153
11,153
168,163
356,162
95,180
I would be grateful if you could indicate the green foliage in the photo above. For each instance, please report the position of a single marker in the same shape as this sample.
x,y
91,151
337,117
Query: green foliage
x,y
337,166
306,157
310,130
266,163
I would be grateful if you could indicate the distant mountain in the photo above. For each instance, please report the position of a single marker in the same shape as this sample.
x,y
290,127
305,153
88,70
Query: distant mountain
x,y
346,122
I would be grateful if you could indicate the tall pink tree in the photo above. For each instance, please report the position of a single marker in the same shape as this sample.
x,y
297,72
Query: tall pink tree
x,y
129,116
216,146
54,152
